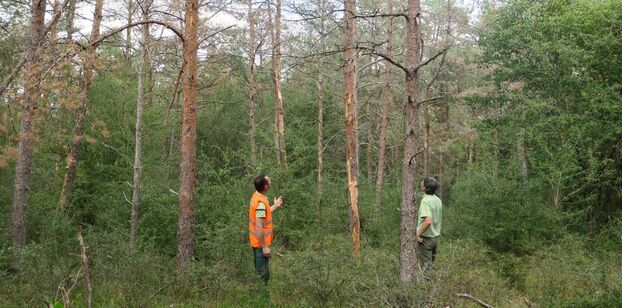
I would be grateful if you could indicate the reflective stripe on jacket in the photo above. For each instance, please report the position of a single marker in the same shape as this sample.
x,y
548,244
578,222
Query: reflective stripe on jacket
x,y
267,222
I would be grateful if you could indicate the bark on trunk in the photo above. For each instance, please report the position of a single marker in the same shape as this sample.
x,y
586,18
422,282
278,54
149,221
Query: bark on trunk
x,y
441,163
71,12
78,131
128,32
408,208
252,90
384,114
53,27
279,118
21,190
351,122
426,117
368,148
138,130
320,110
187,189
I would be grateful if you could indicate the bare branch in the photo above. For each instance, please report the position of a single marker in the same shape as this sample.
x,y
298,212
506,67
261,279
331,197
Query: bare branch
x,y
384,56
478,301
161,23
426,62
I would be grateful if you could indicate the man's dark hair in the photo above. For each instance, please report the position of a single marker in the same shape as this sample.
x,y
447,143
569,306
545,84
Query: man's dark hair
x,y
430,184
260,182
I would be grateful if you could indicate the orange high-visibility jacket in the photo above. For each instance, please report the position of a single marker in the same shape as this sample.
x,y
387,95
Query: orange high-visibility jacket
x,y
267,222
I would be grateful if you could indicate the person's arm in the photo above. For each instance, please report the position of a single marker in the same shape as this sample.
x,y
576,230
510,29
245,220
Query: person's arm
x,y
426,214
265,249
427,221
277,204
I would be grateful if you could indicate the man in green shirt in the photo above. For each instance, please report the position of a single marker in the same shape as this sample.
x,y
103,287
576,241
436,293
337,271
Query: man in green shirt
x,y
428,225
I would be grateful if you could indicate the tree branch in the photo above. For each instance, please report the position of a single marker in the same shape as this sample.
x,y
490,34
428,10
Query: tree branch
x,y
426,62
138,23
384,56
22,60
478,301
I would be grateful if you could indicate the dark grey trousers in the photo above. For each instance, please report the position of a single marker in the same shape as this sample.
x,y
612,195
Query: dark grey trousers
x,y
262,265
426,253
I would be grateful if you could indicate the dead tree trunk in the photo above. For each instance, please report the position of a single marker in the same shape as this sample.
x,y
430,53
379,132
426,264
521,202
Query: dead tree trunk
x,y
78,131
139,122
279,118
187,189
384,114
28,106
252,90
351,122
84,261
408,208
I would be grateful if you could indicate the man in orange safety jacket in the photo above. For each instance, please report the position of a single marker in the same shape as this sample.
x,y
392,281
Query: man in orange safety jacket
x,y
260,225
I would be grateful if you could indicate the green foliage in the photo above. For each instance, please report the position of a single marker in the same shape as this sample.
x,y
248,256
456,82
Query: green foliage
x,y
558,88
508,216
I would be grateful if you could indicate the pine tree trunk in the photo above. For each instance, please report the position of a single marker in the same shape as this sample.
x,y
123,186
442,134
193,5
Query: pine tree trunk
x,y
368,148
351,122
187,189
128,32
78,131
138,130
279,117
408,210
384,114
252,91
53,26
320,109
426,132
28,106
70,16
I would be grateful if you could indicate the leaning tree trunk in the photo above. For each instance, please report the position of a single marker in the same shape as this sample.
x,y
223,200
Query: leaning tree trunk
x,y
78,131
279,118
387,96
28,106
139,124
252,90
187,189
408,208
351,122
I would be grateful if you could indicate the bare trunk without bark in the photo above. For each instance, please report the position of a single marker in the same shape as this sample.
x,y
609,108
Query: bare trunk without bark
x,y
351,122
279,118
138,129
252,90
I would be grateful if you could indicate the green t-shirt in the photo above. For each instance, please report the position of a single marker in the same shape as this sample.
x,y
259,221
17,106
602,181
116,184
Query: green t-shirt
x,y
431,206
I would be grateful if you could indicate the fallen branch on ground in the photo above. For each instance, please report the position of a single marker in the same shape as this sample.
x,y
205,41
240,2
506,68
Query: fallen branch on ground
x,y
480,302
